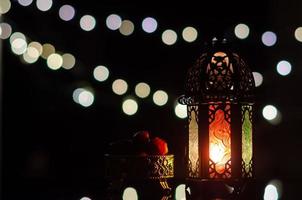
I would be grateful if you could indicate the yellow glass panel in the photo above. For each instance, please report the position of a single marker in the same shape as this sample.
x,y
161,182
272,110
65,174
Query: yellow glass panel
x,y
193,144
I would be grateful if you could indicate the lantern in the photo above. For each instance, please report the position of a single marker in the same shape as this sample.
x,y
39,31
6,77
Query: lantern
x,y
219,98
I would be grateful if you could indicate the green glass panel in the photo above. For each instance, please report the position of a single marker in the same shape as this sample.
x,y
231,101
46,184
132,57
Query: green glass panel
x,y
247,143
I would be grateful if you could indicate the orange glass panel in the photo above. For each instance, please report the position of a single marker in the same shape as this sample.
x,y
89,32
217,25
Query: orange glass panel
x,y
220,144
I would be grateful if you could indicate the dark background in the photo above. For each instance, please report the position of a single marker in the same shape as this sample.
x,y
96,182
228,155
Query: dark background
x,y
52,148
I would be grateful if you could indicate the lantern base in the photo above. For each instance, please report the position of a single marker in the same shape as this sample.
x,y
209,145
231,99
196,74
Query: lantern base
x,y
218,189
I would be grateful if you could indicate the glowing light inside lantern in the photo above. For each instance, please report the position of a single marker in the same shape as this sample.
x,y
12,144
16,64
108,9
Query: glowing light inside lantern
x,y
220,142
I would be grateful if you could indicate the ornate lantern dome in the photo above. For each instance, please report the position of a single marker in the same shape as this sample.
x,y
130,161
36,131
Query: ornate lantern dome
x,y
218,75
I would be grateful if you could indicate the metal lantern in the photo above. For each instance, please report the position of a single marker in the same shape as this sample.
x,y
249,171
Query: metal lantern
x,y
219,98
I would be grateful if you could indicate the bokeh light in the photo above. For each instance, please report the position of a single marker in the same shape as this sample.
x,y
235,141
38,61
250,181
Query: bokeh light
x,y
126,28
149,25
258,78
269,112
298,34
25,2
130,194
101,73
142,90
86,98
5,6
76,93
119,87
68,61
54,61
85,198
270,193
269,38
37,46
31,55
279,186
16,35
284,67
189,34
6,30
44,5
130,107
66,12
169,37
180,111
48,49
180,192
87,22
18,43
19,46
160,97
242,31
113,22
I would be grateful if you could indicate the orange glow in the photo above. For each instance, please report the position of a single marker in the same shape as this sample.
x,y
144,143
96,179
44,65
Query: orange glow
x,y
220,142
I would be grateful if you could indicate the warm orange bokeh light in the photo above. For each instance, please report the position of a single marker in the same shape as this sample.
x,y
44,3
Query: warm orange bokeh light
x,y
220,141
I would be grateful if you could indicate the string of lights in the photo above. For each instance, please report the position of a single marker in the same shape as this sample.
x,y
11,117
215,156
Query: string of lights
x,y
83,96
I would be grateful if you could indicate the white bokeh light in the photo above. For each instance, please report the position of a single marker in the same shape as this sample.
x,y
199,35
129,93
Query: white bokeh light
x,y
19,46
160,97
25,2
76,93
189,34
242,31
180,192
16,35
86,98
54,61
269,112
130,194
169,37
87,22
130,107
44,5
101,73
142,90
270,193
149,25
18,43
113,22
269,38
85,198
66,12
298,34
119,87
258,78
180,111
127,27
6,30
284,67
